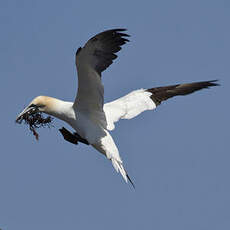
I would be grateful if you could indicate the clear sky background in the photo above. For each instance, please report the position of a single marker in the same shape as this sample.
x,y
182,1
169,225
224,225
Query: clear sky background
x,y
178,155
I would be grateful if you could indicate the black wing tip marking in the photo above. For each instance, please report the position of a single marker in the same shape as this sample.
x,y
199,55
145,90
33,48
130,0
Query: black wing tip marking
x,y
117,30
113,36
110,35
108,43
212,83
160,94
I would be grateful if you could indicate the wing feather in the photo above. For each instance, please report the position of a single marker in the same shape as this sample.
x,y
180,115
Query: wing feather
x,y
141,100
97,55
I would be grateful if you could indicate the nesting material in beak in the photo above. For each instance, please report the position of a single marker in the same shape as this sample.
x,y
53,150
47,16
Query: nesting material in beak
x,y
35,120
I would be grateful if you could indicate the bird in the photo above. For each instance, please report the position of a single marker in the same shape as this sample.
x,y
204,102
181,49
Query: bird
x,y
91,118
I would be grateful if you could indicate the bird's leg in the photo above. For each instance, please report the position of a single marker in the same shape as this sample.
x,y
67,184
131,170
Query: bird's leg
x,y
80,139
68,136
72,137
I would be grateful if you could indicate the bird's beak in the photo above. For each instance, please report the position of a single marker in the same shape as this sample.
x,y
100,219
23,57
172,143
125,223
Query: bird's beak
x,y
25,111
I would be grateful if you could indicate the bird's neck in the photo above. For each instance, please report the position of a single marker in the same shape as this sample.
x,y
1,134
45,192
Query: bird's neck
x,y
60,109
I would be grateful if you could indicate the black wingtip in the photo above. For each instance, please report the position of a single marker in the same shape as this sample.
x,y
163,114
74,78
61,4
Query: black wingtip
x,y
122,34
120,29
207,84
212,83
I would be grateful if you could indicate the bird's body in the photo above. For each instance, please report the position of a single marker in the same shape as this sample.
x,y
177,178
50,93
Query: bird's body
x,y
91,128
88,115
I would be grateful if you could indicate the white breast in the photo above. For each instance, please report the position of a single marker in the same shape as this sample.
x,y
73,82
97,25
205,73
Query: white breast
x,y
88,128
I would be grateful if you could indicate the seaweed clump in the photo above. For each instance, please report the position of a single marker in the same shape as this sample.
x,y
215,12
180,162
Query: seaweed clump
x,y
35,121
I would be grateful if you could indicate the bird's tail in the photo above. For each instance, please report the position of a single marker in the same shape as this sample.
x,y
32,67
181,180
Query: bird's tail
x,y
120,168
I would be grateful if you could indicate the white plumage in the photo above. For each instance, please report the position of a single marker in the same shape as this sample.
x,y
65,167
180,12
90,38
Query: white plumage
x,y
128,107
88,115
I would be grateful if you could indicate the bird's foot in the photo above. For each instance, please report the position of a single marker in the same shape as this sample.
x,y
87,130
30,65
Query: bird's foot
x,y
73,138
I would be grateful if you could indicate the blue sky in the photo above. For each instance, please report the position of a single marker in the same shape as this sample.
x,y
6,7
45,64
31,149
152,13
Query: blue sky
x,y
178,155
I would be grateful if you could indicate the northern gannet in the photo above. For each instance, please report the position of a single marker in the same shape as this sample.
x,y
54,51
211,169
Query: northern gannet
x,y
88,115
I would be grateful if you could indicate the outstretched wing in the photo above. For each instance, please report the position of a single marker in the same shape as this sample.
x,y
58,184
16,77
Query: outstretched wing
x,y
97,55
140,100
